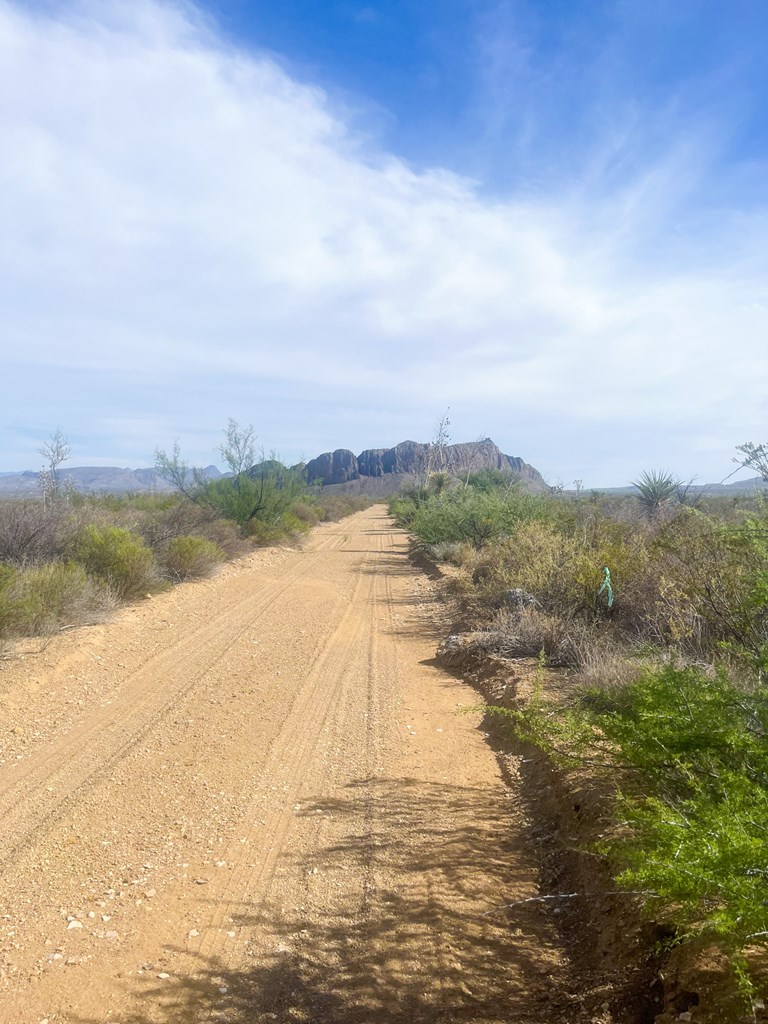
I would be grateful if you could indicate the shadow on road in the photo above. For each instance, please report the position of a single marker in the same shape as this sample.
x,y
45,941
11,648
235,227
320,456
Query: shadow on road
x,y
410,929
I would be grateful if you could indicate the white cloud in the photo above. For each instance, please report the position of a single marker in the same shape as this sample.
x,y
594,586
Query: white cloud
x,y
188,234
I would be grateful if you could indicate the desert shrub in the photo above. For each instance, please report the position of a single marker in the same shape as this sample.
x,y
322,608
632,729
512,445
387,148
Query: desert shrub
x,y
7,575
161,522
41,598
30,530
687,748
531,632
477,517
450,551
263,534
188,558
715,584
333,507
306,512
226,536
263,495
118,557
564,571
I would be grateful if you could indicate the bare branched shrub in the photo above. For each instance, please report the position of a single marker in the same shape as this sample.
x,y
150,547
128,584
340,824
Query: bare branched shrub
x,y
158,526
450,551
530,632
30,531
226,536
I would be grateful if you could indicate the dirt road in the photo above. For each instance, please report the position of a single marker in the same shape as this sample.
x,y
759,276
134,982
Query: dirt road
x,y
254,799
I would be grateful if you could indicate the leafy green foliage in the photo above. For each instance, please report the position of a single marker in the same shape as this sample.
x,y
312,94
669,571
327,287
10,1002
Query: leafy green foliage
x,y
490,480
188,558
476,516
118,557
689,750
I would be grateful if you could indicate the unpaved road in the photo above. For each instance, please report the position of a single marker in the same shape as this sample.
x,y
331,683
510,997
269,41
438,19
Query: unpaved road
x,y
253,799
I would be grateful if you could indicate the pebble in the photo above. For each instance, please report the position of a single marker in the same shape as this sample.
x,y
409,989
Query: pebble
x,y
73,924
193,933
163,975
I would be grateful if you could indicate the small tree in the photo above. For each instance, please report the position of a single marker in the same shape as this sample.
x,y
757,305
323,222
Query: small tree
x,y
755,457
56,450
238,448
175,471
262,491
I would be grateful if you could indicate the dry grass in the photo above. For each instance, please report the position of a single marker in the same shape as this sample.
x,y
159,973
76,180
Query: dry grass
x,y
41,599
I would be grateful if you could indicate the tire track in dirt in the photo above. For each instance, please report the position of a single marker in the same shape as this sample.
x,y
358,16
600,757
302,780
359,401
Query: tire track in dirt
x,y
359,825
285,770
35,794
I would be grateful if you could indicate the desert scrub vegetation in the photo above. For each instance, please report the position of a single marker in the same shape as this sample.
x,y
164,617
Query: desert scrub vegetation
x,y
687,750
69,558
187,558
39,599
663,662
117,557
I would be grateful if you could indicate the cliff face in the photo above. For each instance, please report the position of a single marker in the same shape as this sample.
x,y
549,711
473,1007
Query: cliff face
x,y
412,458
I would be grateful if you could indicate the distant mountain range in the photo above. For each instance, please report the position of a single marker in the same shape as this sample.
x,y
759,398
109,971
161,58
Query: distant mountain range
x,y
737,487
376,471
93,480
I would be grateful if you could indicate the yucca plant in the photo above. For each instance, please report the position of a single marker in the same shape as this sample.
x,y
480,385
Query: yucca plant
x,y
656,489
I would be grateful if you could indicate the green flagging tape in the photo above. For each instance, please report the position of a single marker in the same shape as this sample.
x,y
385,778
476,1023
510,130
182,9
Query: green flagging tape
x,y
607,586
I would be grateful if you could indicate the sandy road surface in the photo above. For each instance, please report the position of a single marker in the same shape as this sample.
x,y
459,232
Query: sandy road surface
x,y
252,799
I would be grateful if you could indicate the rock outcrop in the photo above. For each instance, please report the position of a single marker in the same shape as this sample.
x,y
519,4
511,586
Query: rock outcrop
x,y
413,459
333,467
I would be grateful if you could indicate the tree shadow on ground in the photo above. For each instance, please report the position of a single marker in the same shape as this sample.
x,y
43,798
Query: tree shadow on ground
x,y
411,928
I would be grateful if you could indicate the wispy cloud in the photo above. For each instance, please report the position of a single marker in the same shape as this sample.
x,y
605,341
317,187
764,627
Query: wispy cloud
x,y
190,233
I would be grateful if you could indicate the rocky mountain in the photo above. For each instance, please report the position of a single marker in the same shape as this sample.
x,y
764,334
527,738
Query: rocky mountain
x,y
377,471
410,459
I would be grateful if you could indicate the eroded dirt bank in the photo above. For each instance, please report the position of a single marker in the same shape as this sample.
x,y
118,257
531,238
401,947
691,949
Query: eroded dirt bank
x,y
254,799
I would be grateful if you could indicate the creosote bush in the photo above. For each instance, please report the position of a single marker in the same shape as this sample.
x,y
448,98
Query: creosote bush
x,y
187,558
118,557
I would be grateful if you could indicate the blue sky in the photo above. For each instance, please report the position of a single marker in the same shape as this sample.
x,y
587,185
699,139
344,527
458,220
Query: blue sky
x,y
334,220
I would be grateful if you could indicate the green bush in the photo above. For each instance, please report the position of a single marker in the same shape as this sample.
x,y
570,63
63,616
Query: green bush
x,y
476,516
689,750
116,556
41,598
188,558
265,497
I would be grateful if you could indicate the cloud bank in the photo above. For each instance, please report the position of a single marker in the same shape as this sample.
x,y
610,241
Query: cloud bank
x,y
190,233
